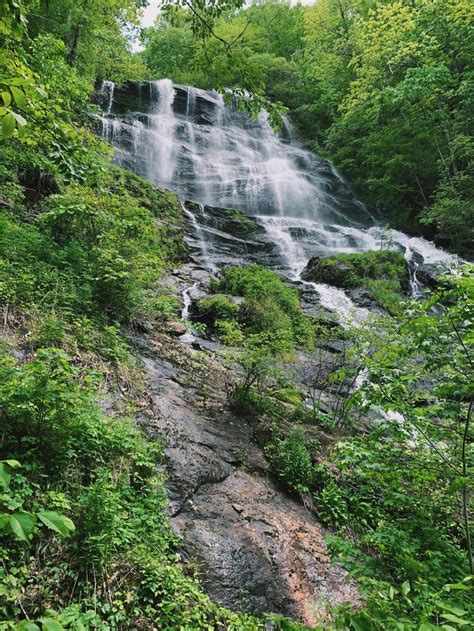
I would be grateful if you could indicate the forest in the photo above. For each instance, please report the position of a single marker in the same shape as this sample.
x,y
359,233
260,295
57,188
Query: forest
x,y
361,427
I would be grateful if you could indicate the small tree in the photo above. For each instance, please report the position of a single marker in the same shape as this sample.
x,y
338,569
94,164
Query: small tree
x,y
260,357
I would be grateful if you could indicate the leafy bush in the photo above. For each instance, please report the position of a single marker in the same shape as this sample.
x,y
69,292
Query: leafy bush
x,y
290,458
229,332
353,270
218,307
331,505
103,472
44,407
383,273
270,304
22,524
48,330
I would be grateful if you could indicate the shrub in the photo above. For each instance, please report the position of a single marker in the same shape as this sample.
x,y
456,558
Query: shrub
x,y
44,407
218,307
48,330
331,505
290,458
270,304
352,270
229,332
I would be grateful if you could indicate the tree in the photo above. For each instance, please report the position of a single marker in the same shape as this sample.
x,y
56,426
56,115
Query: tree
x,y
93,32
425,375
17,84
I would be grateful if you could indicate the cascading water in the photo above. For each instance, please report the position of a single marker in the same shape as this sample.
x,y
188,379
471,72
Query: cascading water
x,y
187,140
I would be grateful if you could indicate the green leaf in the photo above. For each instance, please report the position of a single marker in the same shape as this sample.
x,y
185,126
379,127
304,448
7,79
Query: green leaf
x,y
5,473
51,625
406,588
14,464
453,618
27,625
4,521
8,126
57,522
7,98
21,121
22,525
19,96
457,611
460,586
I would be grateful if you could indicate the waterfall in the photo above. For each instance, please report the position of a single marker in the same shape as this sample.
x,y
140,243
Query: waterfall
x,y
187,140
199,234
414,286
161,137
109,87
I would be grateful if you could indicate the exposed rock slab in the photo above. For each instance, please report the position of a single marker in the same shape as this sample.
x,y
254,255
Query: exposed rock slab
x,y
258,549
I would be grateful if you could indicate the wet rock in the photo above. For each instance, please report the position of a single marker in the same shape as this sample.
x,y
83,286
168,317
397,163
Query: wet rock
x,y
443,241
233,222
267,544
363,298
37,184
176,329
257,549
427,276
312,271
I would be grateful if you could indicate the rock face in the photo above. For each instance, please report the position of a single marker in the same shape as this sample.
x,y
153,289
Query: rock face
x,y
257,548
313,272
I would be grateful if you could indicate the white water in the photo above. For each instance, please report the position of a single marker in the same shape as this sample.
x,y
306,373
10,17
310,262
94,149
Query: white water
x,y
109,89
201,236
186,139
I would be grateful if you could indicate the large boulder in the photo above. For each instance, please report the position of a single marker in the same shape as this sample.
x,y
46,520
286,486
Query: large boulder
x,y
349,271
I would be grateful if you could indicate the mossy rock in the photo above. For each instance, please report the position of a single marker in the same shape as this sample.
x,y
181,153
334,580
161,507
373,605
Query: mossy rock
x,y
237,223
377,277
349,271
233,222
164,204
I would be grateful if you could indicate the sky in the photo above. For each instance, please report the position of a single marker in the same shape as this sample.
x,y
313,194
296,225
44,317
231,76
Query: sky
x,y
151,11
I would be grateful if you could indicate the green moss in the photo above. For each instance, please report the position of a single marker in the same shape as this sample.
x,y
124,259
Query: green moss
x,y
240,224
95,249
164,204
387,294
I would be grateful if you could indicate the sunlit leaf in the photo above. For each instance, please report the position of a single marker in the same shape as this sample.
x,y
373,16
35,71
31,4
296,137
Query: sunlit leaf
x,y
22,525
57,522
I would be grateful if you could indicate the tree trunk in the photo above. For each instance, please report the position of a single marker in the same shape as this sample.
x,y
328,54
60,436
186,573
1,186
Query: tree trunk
x,y
72,55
